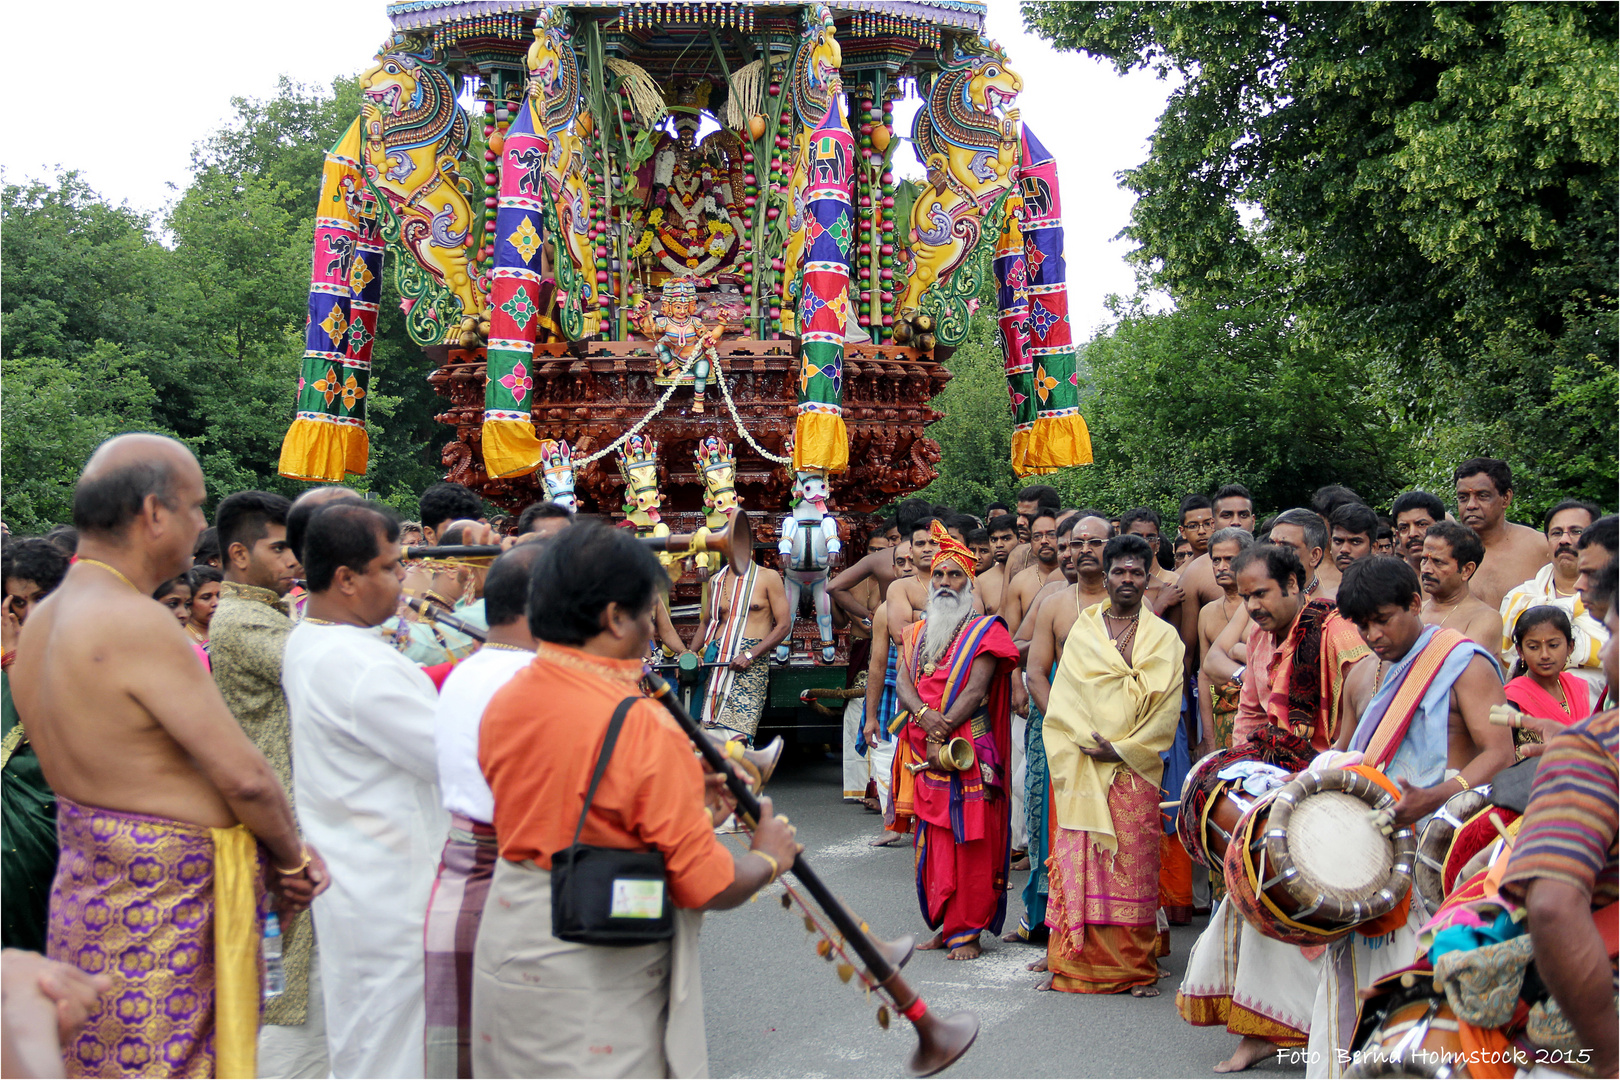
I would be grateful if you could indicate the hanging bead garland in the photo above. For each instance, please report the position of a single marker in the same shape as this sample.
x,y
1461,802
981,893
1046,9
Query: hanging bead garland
x,y
652,14
867,24
480,26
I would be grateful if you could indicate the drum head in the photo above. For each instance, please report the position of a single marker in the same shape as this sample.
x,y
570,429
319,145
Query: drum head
x,y
1337,850
1335,863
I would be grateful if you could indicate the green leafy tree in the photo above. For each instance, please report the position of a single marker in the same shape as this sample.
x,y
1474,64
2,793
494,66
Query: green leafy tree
x,y
1437,189
975,435
54,412
207,331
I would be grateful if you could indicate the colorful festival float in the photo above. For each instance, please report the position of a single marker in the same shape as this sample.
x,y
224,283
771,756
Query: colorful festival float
x,y
688,270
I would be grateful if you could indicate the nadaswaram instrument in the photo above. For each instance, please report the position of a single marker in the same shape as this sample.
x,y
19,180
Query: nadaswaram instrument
x,y
940,1041
759,763
735,541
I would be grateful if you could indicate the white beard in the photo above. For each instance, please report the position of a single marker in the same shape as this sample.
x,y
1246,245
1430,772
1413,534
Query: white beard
x,y
946,610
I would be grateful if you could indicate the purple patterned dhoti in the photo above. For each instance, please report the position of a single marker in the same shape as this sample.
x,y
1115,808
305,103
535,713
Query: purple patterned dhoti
x,y
134,898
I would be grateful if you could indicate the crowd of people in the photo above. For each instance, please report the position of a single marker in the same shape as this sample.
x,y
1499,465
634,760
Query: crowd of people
x,y
282,823
1043,712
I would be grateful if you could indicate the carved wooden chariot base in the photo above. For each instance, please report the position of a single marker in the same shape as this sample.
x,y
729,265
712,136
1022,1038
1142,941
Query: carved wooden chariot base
x,y
589,393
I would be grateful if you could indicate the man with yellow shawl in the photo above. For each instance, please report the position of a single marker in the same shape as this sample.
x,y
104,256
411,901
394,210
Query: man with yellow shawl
x,y
953,757
1113,710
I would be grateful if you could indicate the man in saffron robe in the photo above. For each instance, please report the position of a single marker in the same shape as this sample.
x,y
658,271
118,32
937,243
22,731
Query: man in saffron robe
x,y
1428,729
952,684
1113,711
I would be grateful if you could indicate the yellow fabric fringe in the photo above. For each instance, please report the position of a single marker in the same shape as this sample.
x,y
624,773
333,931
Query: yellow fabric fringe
x,y
820,441
237,983
511,448
316,450
1052,444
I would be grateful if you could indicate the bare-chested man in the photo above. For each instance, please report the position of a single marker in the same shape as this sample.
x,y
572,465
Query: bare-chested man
x,y
1087,585
1414,512
1164,593
1197,521
1323,504
1352,532
1513,553
147,761
876,566
742,638
1031,499
992,583
880,701
1045,629
867,593
1218,703
1182,553
1451,554
1021,591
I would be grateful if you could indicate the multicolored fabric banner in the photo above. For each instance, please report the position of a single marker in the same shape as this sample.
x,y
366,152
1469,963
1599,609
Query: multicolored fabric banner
x,y
328,436
511,447
1034,292
820,440
1012,308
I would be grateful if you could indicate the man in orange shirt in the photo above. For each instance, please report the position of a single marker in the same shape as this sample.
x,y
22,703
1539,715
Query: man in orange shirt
x,y
542,1006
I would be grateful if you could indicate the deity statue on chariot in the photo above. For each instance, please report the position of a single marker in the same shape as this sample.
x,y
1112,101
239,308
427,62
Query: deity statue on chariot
x,y
690,232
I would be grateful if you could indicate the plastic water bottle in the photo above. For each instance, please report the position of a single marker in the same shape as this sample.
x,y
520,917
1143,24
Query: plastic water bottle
x,y
275,978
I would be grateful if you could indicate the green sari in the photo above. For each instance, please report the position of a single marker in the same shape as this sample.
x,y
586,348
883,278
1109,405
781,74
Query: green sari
x,y
27,835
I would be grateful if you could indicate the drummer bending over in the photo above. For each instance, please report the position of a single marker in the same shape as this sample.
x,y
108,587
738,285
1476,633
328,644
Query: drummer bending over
x,y
1564,863
1428,729
1309,672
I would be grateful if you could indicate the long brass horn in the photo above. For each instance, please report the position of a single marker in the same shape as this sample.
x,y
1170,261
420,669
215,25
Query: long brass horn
x,y
940,1040
735,541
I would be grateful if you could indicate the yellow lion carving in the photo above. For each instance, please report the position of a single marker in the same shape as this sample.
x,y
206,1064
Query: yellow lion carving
x,y
415,133
970,149
553,101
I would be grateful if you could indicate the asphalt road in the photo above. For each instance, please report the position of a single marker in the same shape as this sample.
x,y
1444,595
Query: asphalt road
x,y
776,1009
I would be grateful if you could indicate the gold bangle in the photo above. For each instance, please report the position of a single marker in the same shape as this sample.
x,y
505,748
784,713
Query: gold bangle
x,y
301,867
776,869
1466,786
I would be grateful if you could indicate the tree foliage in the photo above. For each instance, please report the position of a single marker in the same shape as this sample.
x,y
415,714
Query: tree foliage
x,y
1436,186
197,332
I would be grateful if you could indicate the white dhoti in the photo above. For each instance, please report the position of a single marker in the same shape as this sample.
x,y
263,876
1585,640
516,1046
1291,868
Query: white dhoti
x,y
1352,964
1250,984
880,756
544,1007
856,770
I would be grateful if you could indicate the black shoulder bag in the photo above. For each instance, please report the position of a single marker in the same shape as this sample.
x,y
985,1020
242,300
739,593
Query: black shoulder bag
x,y
609,896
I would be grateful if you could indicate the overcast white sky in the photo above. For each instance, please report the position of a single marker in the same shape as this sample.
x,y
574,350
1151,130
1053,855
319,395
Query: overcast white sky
x,y
151,80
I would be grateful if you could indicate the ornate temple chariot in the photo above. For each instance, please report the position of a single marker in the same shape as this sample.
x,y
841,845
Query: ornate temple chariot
x,y
687,238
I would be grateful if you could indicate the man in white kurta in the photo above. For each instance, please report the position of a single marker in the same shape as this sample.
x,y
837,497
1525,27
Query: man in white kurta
x,y
365,778
467,864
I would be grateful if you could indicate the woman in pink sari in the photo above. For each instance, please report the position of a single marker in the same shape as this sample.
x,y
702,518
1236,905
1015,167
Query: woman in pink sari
x,y
1548,697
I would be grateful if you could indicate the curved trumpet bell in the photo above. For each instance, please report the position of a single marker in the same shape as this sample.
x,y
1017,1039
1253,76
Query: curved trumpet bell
x,y
735,541
757,764
954,756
